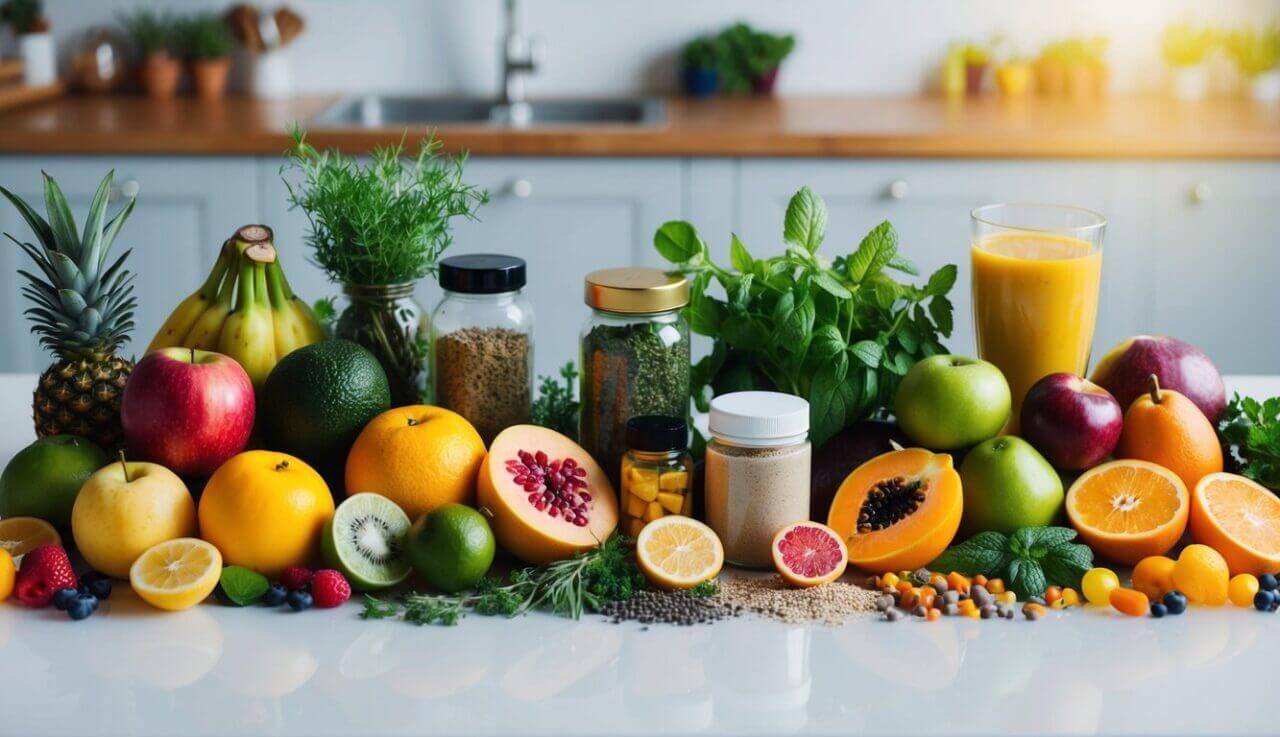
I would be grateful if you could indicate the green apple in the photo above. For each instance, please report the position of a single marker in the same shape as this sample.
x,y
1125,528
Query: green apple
x,y
1008,484
44,478
952,402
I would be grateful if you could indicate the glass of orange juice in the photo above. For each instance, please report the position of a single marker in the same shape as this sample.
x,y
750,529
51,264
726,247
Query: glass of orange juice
x,y
1036,274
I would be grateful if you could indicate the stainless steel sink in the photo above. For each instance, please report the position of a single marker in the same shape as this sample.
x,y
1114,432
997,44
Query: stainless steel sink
x,y
384,111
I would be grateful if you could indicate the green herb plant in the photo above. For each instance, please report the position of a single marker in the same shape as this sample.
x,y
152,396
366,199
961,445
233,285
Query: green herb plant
x,y
1250,433
839,333
748,54
703,52
24,16
1185,44
567,588
206,36
1028,560
556,408
152,32
1255,51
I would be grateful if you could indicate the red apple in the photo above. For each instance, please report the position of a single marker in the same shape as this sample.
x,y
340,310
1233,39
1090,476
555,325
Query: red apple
x,y
188,410
1072,421
1126,372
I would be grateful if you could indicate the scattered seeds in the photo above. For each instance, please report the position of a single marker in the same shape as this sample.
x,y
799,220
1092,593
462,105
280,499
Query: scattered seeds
x,y
669,607
772,597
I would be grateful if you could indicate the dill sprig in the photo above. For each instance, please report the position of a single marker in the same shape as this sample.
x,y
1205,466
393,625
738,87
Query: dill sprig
x,y
566,588
385,222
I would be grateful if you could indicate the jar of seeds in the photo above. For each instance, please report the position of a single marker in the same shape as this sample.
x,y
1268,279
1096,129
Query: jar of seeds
x,y
482,338
634,357
657,471
757,472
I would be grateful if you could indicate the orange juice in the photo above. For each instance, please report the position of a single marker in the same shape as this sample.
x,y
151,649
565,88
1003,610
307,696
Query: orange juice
x,y
1035,302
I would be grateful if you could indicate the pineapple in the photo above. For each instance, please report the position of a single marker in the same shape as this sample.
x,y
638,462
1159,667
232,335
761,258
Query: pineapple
x,y
82,309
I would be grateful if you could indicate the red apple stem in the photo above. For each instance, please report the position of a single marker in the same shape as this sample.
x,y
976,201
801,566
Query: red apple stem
x,y
193,355
1155,388
125,467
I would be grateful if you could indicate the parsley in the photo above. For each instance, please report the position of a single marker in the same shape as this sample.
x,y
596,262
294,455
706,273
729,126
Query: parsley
x,y
567,588
555,406
1028,560
705,590
1250,432
840,333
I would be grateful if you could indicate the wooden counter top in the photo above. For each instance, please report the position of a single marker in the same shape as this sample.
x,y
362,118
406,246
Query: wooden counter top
x,y
808,126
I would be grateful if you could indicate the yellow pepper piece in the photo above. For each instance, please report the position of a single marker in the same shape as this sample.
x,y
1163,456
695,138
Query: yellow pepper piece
x,y
674,481
671,502
653,512
642,475
646,490
636,506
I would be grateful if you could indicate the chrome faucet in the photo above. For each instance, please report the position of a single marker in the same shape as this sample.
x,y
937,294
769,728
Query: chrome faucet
x,y
520,55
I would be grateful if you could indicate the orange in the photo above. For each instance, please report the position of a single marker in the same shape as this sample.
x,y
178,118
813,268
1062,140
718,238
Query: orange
x,y
20,535
1128,510
676,552
419,457
1165,427
1153,576
265,511
1201,573
1240,519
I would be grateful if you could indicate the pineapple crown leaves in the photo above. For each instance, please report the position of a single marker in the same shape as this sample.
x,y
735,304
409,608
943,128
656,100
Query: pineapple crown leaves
x,y
82,304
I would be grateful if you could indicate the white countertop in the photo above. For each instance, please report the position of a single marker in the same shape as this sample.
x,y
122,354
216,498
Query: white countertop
x,y
212,670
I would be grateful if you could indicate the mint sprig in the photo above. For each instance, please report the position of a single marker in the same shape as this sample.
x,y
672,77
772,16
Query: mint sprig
x,y
242,586
1028,560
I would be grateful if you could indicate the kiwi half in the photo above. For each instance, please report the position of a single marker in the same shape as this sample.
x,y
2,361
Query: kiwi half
x,y
365,540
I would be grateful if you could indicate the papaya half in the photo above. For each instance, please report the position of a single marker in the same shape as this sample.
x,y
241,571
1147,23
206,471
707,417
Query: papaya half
x,y
899,510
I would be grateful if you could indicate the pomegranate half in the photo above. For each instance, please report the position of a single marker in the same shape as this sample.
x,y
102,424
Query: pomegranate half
x,y
547,497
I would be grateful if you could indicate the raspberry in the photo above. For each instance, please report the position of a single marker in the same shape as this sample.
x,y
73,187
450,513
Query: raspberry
x,y
44,571
329,589
295,578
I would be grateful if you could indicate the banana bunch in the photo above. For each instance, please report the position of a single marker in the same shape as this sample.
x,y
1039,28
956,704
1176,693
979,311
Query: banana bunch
x,y
245,308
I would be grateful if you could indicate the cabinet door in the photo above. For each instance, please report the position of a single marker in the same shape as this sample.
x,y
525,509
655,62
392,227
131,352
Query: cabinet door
x,y
187,207
928,202
565,217
1214,261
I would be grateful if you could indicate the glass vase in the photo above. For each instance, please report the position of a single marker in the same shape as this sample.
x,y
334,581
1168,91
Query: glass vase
x,y
389,322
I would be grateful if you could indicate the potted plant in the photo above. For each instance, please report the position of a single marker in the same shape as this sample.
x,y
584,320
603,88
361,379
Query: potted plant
x,y
753,58
1257,56
700,63
208,43
377,228
35,43
155,36
976,58
1185,48
1051,70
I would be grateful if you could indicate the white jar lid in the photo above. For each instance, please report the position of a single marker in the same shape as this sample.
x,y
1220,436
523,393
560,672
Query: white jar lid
x,y
759,419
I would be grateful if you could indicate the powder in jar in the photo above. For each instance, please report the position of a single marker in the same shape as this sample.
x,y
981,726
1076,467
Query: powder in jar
x,y
483,375
751,493
772,597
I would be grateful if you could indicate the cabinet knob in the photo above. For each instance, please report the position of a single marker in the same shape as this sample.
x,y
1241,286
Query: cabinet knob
x,y
899,189
1200,193
522,188
125,188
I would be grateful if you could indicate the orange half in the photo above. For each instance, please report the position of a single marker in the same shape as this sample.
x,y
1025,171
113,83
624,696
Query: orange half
x,y
1127,510
21,535
1240,519
676,552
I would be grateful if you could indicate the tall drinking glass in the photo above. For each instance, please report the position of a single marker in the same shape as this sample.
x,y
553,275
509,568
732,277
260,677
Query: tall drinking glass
x,y
1036,274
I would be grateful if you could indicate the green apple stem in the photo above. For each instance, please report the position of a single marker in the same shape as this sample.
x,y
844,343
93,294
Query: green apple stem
x,y
193,355
124,465
1155,389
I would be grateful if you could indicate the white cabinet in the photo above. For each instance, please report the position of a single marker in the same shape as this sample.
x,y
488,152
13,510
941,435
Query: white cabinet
x,y
187,207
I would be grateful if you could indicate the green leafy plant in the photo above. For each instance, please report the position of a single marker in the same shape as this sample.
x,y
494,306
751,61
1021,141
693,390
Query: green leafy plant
x,y
1185,44
749,53
1028,560
24,16
1250,433
242,586
975,54
206,36
385,222
841,334
556,407
703,52
705,590
567,588
1255,51
152,32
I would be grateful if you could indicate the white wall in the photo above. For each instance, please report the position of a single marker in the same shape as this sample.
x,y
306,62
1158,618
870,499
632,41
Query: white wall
x,y
605,47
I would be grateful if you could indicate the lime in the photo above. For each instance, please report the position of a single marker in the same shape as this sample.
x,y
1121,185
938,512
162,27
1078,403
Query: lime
x,y
44,478
451,547
365,540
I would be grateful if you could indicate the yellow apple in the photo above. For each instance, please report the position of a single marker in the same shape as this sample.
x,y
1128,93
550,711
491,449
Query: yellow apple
x,y
125,508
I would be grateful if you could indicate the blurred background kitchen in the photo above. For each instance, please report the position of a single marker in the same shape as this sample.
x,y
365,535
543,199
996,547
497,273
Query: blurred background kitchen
x,y
592,123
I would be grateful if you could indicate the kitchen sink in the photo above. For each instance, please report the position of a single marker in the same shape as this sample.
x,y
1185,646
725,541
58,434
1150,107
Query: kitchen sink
x,y
381,111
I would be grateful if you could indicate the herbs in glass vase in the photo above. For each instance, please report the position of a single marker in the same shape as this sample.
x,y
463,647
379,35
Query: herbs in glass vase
x,y
377,229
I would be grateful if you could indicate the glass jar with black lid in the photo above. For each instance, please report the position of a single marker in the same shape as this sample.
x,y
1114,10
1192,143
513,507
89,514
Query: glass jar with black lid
x,y
482,342
656,471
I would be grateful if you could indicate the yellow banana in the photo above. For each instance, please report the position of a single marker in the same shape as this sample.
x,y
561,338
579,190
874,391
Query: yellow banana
x,y
290,334
248,334
188,312
204,333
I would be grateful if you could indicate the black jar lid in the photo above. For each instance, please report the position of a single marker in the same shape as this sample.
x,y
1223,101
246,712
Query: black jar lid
x,y
482,273
657,433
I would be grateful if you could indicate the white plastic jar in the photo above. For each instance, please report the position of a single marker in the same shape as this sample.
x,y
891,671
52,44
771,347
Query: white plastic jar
x,y
757,472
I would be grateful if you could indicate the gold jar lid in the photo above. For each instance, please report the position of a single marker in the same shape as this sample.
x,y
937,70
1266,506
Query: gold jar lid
x,y
636,290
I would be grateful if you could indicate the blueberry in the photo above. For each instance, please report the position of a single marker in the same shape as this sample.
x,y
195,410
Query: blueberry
x,y
1262,601
1158,610
299,600
1175,602
275,595
82,606
62,598
1267,582
98,585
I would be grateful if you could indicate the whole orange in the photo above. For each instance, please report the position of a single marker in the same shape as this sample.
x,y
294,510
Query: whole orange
x,y
1166,428
264,511
419,457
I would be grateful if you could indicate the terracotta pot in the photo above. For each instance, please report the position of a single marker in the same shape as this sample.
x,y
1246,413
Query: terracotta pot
x,y
973,76
210,77
160,75
762,84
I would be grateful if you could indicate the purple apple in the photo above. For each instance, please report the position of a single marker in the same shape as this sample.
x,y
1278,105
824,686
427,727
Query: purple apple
x,y
1126,372
1072,421
188,410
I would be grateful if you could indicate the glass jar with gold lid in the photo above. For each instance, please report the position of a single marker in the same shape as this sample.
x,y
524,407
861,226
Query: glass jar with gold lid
x,y
634,357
